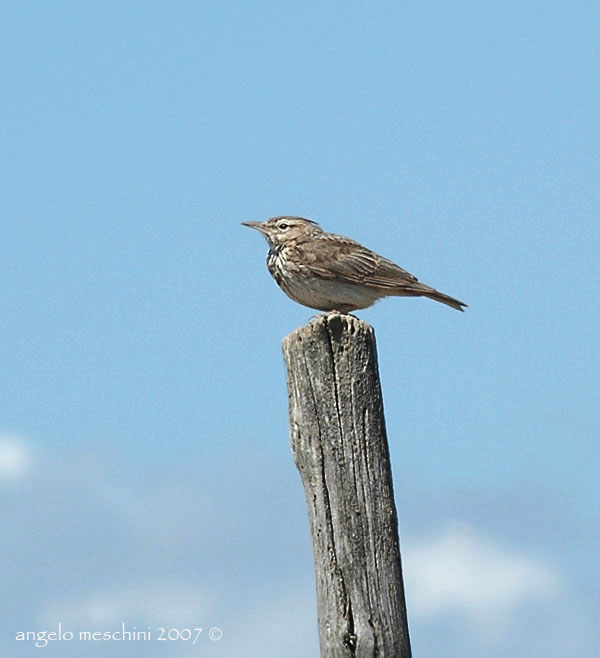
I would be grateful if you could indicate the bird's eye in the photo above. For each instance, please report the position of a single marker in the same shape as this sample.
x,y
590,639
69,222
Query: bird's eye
x,y
283,226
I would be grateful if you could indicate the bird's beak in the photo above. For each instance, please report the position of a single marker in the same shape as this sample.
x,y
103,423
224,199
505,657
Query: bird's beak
x,y
257,225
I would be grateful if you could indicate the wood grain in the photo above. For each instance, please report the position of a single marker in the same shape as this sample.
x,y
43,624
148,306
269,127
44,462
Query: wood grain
x,y
339,443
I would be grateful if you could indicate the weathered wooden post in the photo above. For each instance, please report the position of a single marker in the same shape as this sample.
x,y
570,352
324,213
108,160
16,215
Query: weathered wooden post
x,y
339,444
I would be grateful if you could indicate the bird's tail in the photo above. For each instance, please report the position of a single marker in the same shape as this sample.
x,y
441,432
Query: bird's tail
x,y
418,289
432,293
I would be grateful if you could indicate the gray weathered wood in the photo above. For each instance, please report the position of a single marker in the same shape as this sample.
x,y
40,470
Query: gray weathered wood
x,y
340,447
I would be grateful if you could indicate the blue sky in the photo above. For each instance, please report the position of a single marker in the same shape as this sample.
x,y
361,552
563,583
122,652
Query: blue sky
x,y
144,452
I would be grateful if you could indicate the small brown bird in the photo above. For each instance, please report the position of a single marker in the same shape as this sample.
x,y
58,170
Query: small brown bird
x,y
334,273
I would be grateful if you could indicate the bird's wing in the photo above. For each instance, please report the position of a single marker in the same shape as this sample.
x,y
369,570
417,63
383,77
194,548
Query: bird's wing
x,y
337,257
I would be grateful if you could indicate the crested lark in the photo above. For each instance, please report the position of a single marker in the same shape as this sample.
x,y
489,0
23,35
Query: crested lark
x,y
334,273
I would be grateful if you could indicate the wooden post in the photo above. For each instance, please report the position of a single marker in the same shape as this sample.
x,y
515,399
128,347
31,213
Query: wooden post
x,y
339,444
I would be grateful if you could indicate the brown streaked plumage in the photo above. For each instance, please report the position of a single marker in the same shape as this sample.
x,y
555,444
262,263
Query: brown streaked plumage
x,y
333,273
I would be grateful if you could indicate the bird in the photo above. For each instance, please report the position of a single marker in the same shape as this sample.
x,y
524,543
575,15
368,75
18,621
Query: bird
x,y
329,272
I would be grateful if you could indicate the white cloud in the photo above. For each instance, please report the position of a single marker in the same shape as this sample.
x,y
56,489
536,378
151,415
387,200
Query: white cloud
x,y
155,605
461,571
15,458
285,625
95,546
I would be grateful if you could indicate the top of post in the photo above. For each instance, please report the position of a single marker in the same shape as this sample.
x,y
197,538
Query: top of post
x,y
339,327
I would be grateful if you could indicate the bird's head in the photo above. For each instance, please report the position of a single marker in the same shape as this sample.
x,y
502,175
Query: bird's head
x,y
283,229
